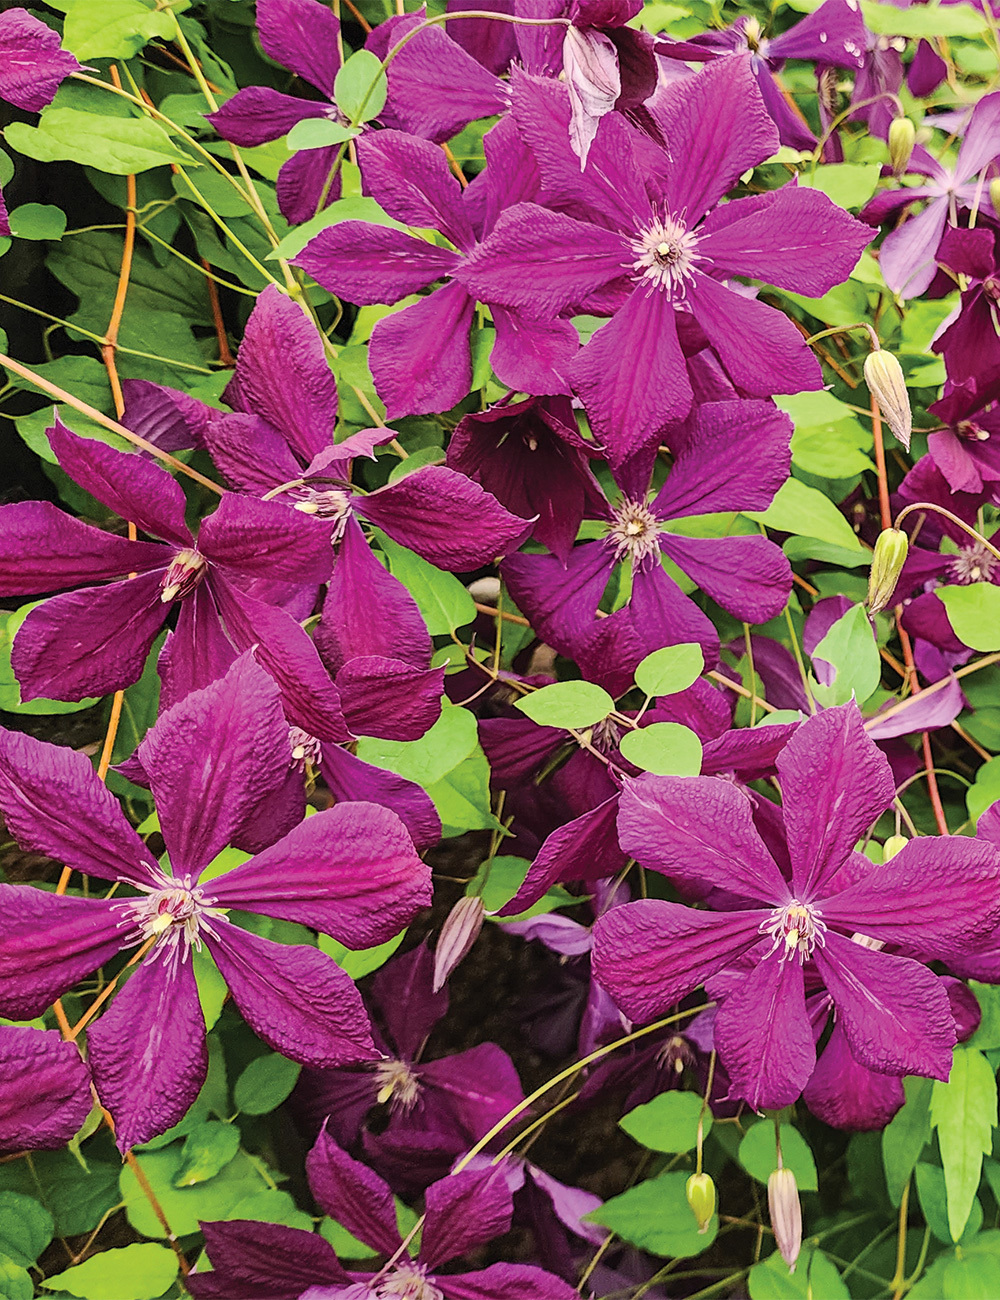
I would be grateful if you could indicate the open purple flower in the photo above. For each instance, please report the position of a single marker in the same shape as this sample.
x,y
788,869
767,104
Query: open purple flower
x,y
967,449
641,235
46,1089
969,340
350,872
936,898
32,66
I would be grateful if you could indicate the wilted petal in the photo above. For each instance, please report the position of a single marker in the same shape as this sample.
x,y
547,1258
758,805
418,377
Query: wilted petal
x,y
584,849
464,1211
350,780
590,64
265,539
46,1090
258,114
389,698
31,63
373,264
246,1254
301,35
764,1037
844,1094
147,1050
750,577
420,356
353,1195
410,179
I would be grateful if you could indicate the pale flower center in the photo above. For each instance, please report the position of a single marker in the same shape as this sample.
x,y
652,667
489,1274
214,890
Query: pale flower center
x,y
665,255
634,532
305,749
973,563
969,431
794,930
407,1282
186,571
398,1085
174,913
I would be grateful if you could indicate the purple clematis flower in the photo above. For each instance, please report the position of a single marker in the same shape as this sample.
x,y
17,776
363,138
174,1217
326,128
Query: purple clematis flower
x,y
350,872
4,218
301,35
970,338
936,898
463,1211
46,1090
640,235
32,66
420,356
967,450
907,257
749,576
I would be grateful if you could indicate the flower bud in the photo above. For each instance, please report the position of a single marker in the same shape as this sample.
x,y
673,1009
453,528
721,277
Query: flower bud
x,y
902,138
893,845
700,1192
185,572
888,559
786,1215
995,194
884,377
458,934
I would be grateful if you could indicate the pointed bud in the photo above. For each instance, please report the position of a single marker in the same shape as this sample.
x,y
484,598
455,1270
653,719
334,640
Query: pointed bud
x,y
700,1192
459,932
786,1215
888,559
884,377
893,845
902,138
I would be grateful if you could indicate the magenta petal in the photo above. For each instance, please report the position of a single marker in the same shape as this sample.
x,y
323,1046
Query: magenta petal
x,y
350,781
584,849
650,954
253,456
895,1012
46,1093
834,784
266,539
662,615
197,652
308,182
53,803
560,599
908,253
353,1195
533,356
420,356
504,1281
764,1037
31,63
844,1094
351,872
297,999
259,114
411,181
301,35
172,420
4,219
373,264
389,698
48,943
246,1254
750,577
464,1211
147,1051
88,642
446,518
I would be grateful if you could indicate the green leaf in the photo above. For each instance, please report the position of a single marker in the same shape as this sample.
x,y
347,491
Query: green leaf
x,y
971,1277
987,1036
440,749
462,798
139,1272
964,1112
974,614
272,1206
985,790
26,1228
668,1123
851,649
207,1148
184,1206
567,704
361,87
815,1278
849,185
499,879
38,221
758,1157
442,600
672,669
117,145
927,21
318,133
344,1243
655,1216
985,1245
905,1137
15,1282
933,1196
834,450
356,208
806,512
365,960
114,29
10,691
76,1197
664,748
265,1083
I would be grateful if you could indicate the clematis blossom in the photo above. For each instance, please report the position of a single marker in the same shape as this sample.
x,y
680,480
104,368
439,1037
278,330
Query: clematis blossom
x,y
350,872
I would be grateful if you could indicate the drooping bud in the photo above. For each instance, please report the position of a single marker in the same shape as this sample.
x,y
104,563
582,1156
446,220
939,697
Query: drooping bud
x,y
186,570
893,845
888,559
995,194
786,1214
593,79
902,138
700,1192
884,377
459,932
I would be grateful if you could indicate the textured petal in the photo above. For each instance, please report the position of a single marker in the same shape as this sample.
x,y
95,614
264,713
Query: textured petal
x,y
584,849
297,999
373,264
404,992
147,1051
253,456
894,1012
389,698
259,114
48,943
46,1093
844,1094
301,35
492,44
533,356
908,253
834,784
650,954
662,615
420,356
125,482
446,518
53,803
750,577
764,1037
560,600
31,63
464,1211
165,416
503,1281
88,642
212,758
353,1195
697,829
246,1253
350,780
350,872
198,651
265,539
411,180
308,182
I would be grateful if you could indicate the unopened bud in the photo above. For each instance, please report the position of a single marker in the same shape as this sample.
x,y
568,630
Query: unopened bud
x,y
995,194
902,138
786,1215
185,572
459,932
888,559
884,377
700,1192
893,845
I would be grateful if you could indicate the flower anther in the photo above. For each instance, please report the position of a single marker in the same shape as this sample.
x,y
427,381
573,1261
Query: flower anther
x,y
973,563
634,532
408,1282
665,255
174,912
186,571
397,1085
794,930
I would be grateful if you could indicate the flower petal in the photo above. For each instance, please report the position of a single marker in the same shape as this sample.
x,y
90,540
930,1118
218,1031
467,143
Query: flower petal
x,y
844,1094
303,36
502,1281
350,780
31,63
750,577
258,114
246,1254
373,264
308,183
764,1037
410,179
46,1093
353,1195
464,1211
165,416
533,356
389,698
420,356
265,539
253,456
197,652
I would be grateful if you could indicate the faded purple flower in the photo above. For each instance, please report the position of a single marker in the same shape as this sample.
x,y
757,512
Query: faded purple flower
x,y
46,1090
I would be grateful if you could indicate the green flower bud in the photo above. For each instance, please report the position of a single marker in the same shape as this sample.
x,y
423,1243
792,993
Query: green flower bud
x,y
893,845
902,138
786,1215
888,559
884,377
700,1192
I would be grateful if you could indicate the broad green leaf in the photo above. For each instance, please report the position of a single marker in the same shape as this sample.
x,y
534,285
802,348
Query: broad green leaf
x,y
442,600
462,796
758,1158
985,790
834,450
927,21
184,1206
117,145
499,879
360,88
365,960
672,669
26,1228
669,1122
849,185
815,1278
207,1148
971,1277
344,1243
139,1272
567,704
905,1136
987,1036
272,1206
964,1112
974,614
265,1083
664,748
806,512
114,29
318,133
933,1196
440,749
38,221
6,171
10,691
655,1216
850,648
356,208
76,1197
15,1281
